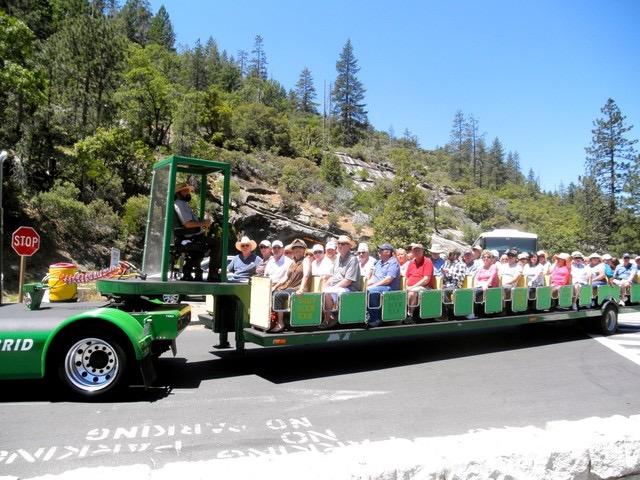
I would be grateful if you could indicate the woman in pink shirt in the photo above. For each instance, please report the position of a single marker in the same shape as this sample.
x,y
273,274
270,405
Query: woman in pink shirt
x,y
487,275
561,271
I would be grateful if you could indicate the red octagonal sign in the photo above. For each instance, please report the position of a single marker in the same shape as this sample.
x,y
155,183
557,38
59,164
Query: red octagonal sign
x,y
25,241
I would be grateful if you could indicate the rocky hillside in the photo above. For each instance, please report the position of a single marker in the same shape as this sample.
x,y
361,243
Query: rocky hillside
x,y
257,209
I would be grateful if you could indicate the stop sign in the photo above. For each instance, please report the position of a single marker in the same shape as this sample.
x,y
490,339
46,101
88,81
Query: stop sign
x,y
25,241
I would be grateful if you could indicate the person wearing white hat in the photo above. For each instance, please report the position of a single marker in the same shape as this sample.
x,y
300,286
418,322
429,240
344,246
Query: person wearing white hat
x,y
345,278
243,266
278,264
265,254
544,262
597,273
365,260
579,275
436,260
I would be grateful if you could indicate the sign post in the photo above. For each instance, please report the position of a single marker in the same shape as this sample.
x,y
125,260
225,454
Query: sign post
x,y
25,241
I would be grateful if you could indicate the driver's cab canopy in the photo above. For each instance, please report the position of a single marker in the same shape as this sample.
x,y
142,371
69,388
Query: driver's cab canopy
x,y
161,217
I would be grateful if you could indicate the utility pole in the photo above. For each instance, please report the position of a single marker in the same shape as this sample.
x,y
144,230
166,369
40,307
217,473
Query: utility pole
x,y
3,155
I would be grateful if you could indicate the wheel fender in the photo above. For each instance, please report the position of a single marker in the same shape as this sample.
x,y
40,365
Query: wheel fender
x,y
140,340
607,304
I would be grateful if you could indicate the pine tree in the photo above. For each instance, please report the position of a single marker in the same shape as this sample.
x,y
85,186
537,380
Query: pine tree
x,y
495,168
306,93
161,29
593,210
86,57
197,67
473,138
460,146
258,65
610,154
242,61
405,197
348,99
135,17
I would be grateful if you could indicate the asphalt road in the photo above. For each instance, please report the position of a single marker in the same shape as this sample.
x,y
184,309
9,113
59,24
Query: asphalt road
x,y
213,404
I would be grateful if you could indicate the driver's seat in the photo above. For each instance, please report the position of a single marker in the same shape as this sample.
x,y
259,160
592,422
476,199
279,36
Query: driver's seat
x,y
183,246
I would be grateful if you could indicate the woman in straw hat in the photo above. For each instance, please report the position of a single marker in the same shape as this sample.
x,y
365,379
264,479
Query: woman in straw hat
x,y
561,271
243,266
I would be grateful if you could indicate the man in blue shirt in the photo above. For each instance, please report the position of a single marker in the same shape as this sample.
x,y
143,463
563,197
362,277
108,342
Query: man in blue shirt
x,y
243,266
385,276
623,276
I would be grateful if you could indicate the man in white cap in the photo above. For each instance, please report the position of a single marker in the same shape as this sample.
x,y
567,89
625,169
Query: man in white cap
x,y
277,265
365,260
192,234
265,254
623,276
436,260
345,278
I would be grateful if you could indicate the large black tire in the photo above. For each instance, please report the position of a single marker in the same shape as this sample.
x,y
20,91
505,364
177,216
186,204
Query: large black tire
x,y
607,323
90,364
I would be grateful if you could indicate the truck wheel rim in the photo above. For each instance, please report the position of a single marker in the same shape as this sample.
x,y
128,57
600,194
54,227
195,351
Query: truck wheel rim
x,y
91,364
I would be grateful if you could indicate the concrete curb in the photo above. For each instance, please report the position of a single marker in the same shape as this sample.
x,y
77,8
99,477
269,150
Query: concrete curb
x,y
593,448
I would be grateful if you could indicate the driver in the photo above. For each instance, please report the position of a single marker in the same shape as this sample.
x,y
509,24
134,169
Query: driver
x,y
193,233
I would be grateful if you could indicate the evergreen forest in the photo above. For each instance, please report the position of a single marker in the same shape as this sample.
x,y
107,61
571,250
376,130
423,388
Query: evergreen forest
x,y
93,92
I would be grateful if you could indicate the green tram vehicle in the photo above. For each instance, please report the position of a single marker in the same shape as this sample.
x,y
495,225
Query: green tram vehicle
x,y
91,349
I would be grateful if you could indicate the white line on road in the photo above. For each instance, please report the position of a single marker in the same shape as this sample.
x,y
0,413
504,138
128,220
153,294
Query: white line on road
x,y
619,349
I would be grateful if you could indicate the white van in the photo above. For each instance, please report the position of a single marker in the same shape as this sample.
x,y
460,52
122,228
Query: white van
x,y
502,239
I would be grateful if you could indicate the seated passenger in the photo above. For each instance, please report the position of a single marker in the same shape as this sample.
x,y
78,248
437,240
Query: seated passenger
x,y
243,266
511,271
288,251
277,266
504,260
365,260
471,267
610,265
542,261
579,276
293,283
561,271
265,254
330,259
195,234
419,273
437,262
384,277
477,256
534,272
345,278
453,272
319,267
403,261
623,276
597,274
487,275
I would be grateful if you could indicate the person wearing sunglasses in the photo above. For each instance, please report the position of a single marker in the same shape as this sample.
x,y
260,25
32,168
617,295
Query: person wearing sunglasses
x,y
243,266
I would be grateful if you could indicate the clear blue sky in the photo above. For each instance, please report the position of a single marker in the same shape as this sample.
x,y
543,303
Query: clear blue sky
x,y
535,74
